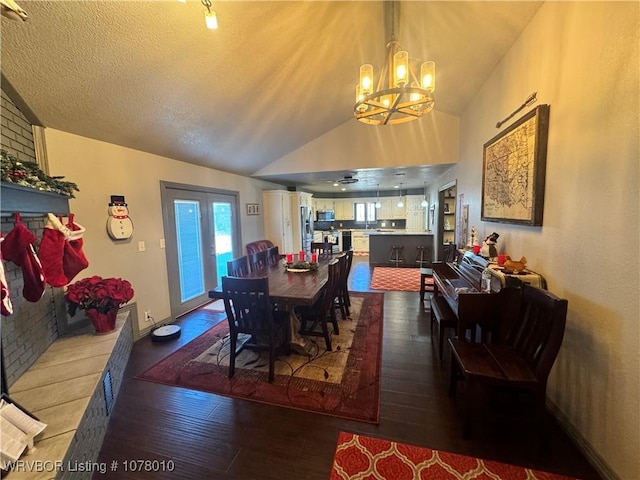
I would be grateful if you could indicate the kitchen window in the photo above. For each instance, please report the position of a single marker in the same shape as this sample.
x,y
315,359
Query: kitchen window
x,y
365,212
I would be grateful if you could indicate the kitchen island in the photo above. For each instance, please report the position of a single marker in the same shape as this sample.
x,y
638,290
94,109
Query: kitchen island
x,y
380,243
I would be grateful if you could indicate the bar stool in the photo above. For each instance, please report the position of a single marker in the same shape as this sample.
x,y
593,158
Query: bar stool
x,y
396,254
422,256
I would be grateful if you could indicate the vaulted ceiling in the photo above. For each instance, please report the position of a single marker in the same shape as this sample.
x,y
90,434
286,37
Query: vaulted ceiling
x,y
275,75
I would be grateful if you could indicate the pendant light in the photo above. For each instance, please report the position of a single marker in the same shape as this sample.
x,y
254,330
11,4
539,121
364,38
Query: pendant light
x,y
424,203
378,204
400,202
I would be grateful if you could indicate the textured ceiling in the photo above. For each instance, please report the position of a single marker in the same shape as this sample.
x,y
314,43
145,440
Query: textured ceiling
x,y
275,75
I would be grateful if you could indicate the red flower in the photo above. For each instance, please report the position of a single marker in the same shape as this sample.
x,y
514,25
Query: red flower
x,y
102,294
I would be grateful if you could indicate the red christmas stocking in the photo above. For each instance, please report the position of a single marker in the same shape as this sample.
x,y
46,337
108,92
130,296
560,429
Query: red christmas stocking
x,y
17,247
6,308
73,259
51,252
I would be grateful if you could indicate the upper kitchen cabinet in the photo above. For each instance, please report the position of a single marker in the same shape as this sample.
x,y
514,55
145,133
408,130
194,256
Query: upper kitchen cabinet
x,y
344,209
384,212
398,213
416,214
323,204
276,207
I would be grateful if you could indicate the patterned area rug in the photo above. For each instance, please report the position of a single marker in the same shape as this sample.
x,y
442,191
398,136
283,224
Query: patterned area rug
x,y
361,457
344,382
397,279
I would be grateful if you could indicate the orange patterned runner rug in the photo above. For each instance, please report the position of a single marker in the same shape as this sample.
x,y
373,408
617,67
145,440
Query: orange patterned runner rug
x,y
361,457
396,279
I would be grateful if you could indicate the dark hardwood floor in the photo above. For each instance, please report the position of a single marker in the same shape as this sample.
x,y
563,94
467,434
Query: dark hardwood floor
x,y
214,437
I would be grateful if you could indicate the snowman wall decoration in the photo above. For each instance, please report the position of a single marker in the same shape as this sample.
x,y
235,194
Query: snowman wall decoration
x,y
119,225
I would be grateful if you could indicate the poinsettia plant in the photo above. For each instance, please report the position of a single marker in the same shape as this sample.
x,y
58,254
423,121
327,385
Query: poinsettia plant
x,y
102,294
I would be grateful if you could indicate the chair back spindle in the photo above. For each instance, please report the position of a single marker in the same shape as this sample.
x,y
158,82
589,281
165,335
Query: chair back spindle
x,y
238,267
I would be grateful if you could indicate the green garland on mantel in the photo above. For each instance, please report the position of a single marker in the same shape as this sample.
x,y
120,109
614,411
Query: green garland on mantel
x,y
29,174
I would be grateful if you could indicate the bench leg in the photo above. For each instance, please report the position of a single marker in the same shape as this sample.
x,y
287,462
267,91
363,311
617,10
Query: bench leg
x,y
454,374
441,339
472,398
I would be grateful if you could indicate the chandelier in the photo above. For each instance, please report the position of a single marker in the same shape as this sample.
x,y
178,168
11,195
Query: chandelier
x,y
400,96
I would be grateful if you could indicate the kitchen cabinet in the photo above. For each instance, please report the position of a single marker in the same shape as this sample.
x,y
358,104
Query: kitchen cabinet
x,y
360,241
344,209
398,213
416,214
276,207
384,212
323,204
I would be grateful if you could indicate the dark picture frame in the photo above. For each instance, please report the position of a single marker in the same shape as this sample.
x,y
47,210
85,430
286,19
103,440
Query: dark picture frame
x,y
513,171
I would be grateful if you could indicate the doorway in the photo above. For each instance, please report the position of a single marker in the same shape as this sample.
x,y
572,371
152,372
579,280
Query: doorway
x,y
202,233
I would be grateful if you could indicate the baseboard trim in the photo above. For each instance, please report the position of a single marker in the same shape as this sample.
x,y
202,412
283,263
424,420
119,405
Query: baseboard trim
x,y
585,447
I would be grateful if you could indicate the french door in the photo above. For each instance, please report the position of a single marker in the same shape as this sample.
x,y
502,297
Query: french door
x,y
202,233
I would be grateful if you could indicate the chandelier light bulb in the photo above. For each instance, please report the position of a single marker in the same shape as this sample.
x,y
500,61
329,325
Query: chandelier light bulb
x,y
378,204
211,20
366,79
401,68
428,76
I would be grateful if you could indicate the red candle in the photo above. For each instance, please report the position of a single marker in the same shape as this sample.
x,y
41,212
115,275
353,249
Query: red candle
x,y
301,256
289,257
314,258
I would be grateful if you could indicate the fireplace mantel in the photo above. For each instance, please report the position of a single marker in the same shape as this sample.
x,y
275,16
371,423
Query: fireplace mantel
x,y
31,202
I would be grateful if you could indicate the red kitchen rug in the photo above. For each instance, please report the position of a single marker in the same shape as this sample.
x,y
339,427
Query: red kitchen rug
x,y
361,457
397,279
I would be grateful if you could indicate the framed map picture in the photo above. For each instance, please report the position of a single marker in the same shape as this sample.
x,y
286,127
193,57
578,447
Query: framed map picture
x,y
513,171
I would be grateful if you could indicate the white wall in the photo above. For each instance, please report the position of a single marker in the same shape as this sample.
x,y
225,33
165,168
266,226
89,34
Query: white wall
x,y
433,140
101,170
582,58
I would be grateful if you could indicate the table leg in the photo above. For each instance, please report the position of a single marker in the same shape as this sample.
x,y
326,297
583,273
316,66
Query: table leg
x,y
297,343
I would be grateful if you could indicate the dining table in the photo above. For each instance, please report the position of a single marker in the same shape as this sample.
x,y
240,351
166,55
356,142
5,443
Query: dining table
x,y
290,288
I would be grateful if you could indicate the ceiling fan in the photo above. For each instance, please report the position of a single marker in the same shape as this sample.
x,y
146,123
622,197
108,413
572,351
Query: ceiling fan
x,y
347,180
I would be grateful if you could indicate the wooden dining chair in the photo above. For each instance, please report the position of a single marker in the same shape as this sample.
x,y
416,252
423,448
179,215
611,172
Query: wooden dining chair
x,y
273,256
342,301
258,260
238,267
323,249
317,316
249,311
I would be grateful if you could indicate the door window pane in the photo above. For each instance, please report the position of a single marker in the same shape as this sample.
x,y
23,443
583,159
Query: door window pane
x,y
190,261
223,237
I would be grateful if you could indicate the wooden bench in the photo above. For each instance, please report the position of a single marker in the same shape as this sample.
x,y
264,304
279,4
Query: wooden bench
x,y
521,360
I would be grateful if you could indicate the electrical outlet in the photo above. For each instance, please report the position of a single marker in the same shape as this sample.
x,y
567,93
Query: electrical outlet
x,y
141,247
147,315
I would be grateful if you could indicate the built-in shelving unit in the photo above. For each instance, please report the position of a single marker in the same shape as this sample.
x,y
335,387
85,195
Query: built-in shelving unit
x,y
446,216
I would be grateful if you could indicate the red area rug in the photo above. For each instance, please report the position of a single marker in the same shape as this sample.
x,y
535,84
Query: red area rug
x,y
344,382
396,279
367,458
